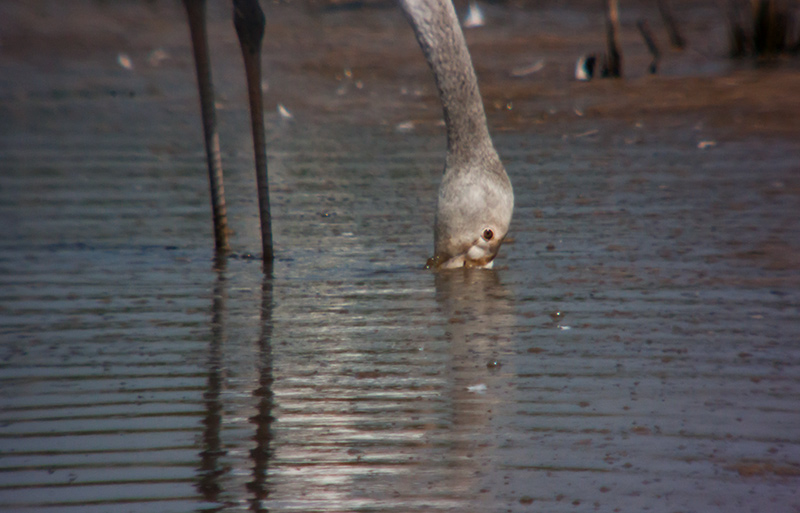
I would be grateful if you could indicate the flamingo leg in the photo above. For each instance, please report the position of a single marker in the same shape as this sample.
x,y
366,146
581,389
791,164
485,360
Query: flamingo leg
x,y
249,21
196,12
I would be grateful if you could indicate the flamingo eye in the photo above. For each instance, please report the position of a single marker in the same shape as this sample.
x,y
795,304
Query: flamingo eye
x,y
488,234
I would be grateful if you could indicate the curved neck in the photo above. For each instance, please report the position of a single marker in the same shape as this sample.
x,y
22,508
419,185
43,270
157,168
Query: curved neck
x,y
439,34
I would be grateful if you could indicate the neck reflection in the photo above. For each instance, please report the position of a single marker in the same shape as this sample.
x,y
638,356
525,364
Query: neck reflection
x,y
479,313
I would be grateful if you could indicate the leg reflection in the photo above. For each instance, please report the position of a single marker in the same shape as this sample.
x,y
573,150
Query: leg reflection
x,y
210,469
263,419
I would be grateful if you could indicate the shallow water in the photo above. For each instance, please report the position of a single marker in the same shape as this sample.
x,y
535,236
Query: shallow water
x,y
635,349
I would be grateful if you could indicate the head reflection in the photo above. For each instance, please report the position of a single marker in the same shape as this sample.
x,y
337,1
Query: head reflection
x,y
479,321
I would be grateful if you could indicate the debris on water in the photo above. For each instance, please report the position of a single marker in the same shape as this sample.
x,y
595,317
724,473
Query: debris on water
x,y
530,69
244,256
405,91
124,61
346,79
584,67
565,328
587,133
474,17
156,57
405,126
284,112
526,499
706,144
757,468
493,364
480,388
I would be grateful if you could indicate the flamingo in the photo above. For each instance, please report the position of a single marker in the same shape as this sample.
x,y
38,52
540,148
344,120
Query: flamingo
x,y
475,200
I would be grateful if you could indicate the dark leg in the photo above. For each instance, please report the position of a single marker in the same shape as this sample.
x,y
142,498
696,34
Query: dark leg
x,y
647,34
736,35
769,27
196,11
675,36
249,21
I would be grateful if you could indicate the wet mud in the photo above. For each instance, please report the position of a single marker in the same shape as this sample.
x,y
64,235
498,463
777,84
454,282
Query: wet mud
x,y
634,349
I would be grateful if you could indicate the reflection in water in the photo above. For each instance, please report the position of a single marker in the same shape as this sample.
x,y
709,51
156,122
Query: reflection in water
x,y
359,407
263,418
479,313
210,469
478,305
480,320
213,469
479,323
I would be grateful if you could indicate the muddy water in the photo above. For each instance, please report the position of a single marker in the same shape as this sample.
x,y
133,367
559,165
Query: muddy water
x,y
635,349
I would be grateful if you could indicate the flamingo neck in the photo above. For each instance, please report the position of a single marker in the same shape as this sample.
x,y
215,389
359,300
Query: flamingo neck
x,y
439,34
